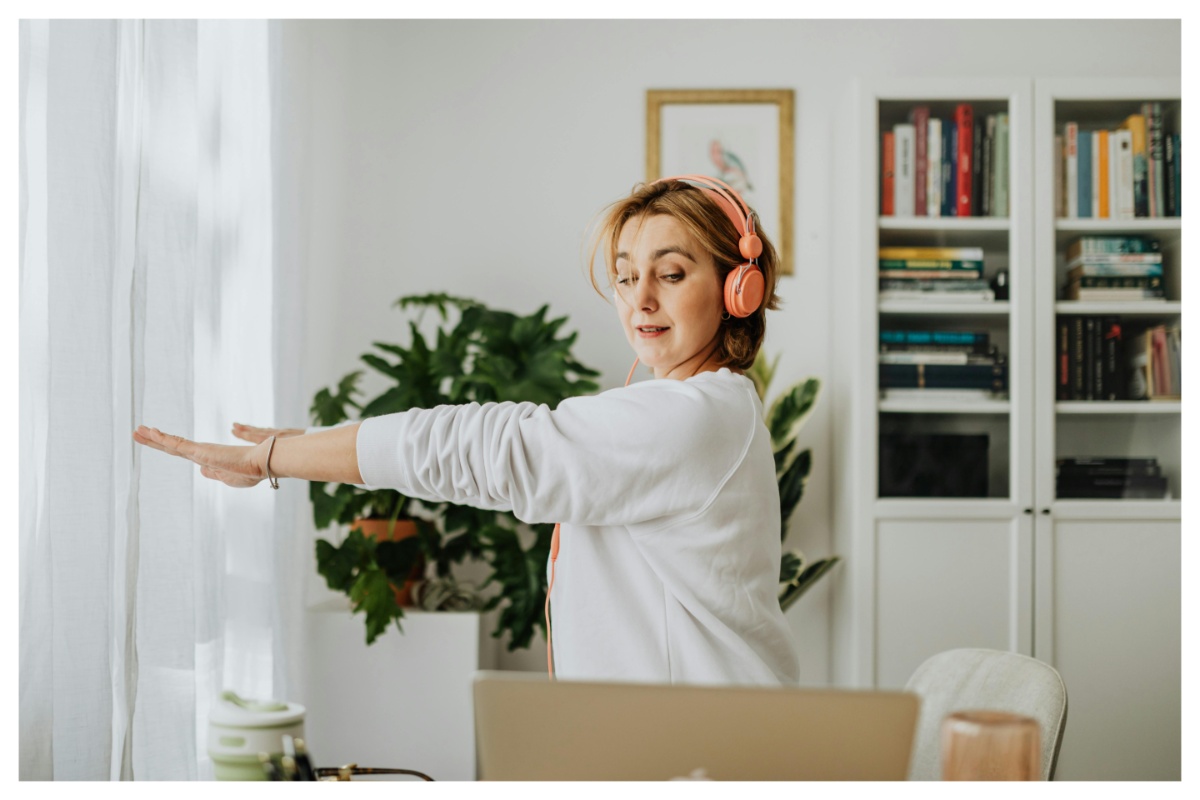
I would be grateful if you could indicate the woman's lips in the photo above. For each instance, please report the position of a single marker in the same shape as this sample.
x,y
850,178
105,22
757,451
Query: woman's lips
x,y
651,334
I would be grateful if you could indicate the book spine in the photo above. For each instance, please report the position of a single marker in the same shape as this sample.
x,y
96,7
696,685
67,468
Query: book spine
x,y
888,190
1089,245
953,253
1089,358
1077,359
1095,179
917,337
989,166
1002,165
1084,209
944,376
977,169
964,121
1112,461
1124,174
905,142
1169,156
1119,282
1178,185
1112,360
1154,145
919,119
1136,125
1098,359
1102,161
930,274
1064,372
1174,335
1072,187
933,174
930,263
949,177
1059,177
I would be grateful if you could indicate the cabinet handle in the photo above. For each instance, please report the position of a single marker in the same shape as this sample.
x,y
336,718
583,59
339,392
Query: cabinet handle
x,y
1029,511
1046,511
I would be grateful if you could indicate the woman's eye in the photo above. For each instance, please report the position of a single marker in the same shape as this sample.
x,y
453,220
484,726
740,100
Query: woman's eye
x,y
674,277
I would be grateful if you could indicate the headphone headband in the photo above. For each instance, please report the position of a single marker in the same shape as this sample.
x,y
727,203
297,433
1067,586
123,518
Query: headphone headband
x,y
727,198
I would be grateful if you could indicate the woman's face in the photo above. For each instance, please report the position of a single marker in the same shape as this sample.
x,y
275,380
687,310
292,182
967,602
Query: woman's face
x,y
666,280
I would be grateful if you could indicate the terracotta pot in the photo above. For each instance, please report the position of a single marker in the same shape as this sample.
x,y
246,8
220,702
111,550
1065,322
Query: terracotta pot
x,y
403,528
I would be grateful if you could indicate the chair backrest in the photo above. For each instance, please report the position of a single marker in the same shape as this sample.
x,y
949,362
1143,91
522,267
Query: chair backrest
x,y
976,679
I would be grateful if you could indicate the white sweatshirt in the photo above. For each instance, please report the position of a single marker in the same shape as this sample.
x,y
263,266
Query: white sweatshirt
x,y
668,567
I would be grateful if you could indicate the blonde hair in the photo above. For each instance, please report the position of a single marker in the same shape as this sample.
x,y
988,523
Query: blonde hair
x,y
740,337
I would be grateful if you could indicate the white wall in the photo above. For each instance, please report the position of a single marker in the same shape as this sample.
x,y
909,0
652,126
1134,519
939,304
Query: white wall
x,y
468,157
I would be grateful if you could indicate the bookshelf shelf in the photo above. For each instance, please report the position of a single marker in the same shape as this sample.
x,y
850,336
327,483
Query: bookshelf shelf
x,y
997,308
962,224
935,406
1118,407
1145,309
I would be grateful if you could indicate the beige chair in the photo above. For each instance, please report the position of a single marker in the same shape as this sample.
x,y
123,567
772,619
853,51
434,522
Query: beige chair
x,y
975,679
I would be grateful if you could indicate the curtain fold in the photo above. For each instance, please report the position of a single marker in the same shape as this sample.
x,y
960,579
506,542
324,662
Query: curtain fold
x,y
146,293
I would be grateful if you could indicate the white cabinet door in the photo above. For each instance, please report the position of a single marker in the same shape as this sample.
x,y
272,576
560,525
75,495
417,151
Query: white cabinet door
x,y
943,584
1108,619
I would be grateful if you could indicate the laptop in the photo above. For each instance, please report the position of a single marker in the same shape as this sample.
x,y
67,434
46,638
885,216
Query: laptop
x,y
528,728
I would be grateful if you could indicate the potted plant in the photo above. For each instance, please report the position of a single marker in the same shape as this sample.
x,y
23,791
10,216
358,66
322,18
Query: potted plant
x,y
785,417
482,355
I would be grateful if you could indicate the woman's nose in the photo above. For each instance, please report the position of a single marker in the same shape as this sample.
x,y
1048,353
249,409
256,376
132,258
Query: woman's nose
x,y
643,294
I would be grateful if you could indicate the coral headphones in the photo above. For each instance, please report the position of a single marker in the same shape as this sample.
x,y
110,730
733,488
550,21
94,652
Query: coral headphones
x,y
744,290
744,286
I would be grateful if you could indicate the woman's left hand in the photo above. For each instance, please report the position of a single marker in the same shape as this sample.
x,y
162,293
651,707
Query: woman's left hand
x,y
233,465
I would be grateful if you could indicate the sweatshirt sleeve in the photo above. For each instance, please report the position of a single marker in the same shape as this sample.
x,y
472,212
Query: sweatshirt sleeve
x,y
626,456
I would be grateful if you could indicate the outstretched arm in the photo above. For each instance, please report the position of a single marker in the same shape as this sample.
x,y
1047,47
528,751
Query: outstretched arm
x,y
330,455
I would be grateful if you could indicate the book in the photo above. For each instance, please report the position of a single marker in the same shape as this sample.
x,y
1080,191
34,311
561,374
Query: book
x,y
1111,295
1176,176
1119,281
970,296
934,285
951,253
931,263
1063,386
933,168
1102,174
1059,177
1114,271
1095,179
1002,165
1153,113
1116,259
977,169
964,122
924,357
918,118
1077,384
887,191
1111,346
1109,462
1111,244
1084,172
1174,336
988,168
925,338
925,274
905,176
947,376
949,207
1123,174
1136,125
1169,143
1072,169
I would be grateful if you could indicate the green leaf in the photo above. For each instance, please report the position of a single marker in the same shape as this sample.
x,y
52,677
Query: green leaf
x,y
791,410
791,487
793,590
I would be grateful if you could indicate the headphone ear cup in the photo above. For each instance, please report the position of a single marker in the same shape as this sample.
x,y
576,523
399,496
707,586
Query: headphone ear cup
x,y
753,287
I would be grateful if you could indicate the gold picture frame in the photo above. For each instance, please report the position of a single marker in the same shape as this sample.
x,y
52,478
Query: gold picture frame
x,y
699,131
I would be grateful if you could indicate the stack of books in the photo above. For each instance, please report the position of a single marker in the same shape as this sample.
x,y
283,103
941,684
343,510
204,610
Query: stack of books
x,y
933,273
1132,171
948,365
1154,364
1114,268
952,167
1111,478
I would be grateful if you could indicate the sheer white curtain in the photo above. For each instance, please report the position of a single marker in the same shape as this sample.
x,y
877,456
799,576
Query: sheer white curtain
x,y
147,296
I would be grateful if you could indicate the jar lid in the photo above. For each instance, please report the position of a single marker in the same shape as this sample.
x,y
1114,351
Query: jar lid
x,y
233,711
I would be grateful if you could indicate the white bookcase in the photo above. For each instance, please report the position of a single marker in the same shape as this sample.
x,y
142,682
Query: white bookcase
x,y
1018,569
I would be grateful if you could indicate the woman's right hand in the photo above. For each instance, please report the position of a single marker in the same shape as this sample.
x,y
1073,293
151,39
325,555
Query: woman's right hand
x,y
251,433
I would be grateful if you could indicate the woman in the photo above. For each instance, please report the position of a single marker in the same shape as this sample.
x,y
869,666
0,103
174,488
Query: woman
x,y
666,566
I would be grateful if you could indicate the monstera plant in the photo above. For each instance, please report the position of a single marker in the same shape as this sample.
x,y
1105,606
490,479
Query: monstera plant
x,y
479,355
785,417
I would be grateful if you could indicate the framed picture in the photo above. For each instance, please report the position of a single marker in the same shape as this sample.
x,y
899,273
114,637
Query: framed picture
x,y
743,137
